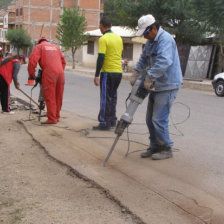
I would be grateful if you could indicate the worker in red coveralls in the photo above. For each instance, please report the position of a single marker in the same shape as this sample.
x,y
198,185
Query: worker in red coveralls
x,y
9,71
52,63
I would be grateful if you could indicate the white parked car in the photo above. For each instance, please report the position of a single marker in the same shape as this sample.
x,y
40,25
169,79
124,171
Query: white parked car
x,y
218,84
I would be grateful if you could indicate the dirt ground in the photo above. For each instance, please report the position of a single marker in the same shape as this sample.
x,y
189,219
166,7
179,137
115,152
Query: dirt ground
x,y
35,189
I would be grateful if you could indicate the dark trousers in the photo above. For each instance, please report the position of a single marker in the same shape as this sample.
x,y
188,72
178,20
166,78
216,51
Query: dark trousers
x,y
109,83
4,95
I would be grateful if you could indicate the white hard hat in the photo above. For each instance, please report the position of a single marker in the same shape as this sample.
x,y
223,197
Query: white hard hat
x,y
0,48
143,23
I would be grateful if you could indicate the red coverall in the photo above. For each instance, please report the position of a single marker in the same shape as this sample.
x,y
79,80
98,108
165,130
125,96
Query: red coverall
x,y
6,72
52,63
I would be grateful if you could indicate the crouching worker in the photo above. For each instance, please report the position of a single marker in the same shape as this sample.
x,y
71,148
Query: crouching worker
x,y
52,63
9,71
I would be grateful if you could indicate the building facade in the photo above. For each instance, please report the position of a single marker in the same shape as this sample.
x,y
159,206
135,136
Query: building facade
x,y
7,21
40,18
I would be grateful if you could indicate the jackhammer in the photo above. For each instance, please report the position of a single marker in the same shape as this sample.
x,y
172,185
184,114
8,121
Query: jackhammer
x,y
41,96
136,97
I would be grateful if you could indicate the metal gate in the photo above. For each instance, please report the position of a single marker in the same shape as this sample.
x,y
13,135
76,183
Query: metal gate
x,y
198,62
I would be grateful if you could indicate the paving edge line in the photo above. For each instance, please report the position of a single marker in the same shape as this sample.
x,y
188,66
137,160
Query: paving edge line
x,y
74,172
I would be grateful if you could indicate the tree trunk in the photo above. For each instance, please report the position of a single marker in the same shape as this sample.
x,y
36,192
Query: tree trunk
x,y
221,60
73,57
73,61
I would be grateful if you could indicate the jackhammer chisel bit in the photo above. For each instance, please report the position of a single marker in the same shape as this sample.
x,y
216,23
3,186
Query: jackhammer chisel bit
x,y
138,93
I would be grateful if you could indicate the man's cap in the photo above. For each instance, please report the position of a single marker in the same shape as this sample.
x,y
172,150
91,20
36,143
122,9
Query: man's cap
x,y
21,56
41,39
143,23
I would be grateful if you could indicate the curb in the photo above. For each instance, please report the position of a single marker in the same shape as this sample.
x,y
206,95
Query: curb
x,y
204,85
196,85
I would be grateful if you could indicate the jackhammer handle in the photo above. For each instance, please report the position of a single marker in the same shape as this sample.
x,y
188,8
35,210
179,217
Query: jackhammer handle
x,y
29,97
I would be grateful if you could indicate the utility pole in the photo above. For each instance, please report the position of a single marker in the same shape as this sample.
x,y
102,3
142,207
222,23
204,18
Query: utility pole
x,y
33,22
61,6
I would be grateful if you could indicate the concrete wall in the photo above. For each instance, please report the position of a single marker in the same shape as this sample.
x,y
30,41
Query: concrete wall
x,y
137,50
89,60
68,57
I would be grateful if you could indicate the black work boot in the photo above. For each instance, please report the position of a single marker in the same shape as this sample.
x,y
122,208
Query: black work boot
x,y
165,153
148,153
101,127
113,124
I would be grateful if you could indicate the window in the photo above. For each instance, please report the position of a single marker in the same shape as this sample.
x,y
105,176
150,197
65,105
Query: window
x,y
90,47
128,51
21,11
17,12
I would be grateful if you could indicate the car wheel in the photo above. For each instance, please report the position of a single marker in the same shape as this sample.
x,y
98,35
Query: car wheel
x,y
219,88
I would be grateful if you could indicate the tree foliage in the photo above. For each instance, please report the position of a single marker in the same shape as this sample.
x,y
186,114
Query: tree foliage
x,y
5,3
176,16
71,30
19,38
212,12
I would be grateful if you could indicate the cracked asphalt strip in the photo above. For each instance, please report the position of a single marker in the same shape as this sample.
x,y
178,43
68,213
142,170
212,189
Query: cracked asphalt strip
x,y
138,193
34,188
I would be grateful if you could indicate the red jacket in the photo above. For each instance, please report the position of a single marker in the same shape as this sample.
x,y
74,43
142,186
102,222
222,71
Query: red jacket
x,y
49,57
7,70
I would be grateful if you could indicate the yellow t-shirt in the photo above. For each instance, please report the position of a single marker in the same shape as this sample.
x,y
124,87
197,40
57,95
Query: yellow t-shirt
x,y
111,45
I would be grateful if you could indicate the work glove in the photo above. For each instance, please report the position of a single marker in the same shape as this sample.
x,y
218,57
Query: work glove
x,y
148,84
134,77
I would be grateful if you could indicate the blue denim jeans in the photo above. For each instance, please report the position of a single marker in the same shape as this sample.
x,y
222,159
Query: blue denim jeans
x,y
109,83
157,118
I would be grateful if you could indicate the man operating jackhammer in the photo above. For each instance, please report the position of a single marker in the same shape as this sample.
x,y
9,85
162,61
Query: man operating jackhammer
x,y
52,63
164,76
9,69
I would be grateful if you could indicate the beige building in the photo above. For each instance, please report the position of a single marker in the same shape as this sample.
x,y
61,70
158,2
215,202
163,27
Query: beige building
x,y
131,51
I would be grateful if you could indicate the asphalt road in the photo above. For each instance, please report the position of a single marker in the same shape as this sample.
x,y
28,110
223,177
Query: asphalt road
x,y
196,126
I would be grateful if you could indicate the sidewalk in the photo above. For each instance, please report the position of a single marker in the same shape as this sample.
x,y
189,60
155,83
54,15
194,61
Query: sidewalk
x,y
204,85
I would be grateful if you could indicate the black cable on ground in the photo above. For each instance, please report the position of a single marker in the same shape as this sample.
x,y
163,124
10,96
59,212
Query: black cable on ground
x,y
86,131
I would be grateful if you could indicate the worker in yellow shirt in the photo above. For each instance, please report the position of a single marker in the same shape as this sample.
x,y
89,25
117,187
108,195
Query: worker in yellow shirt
x,y
109,68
